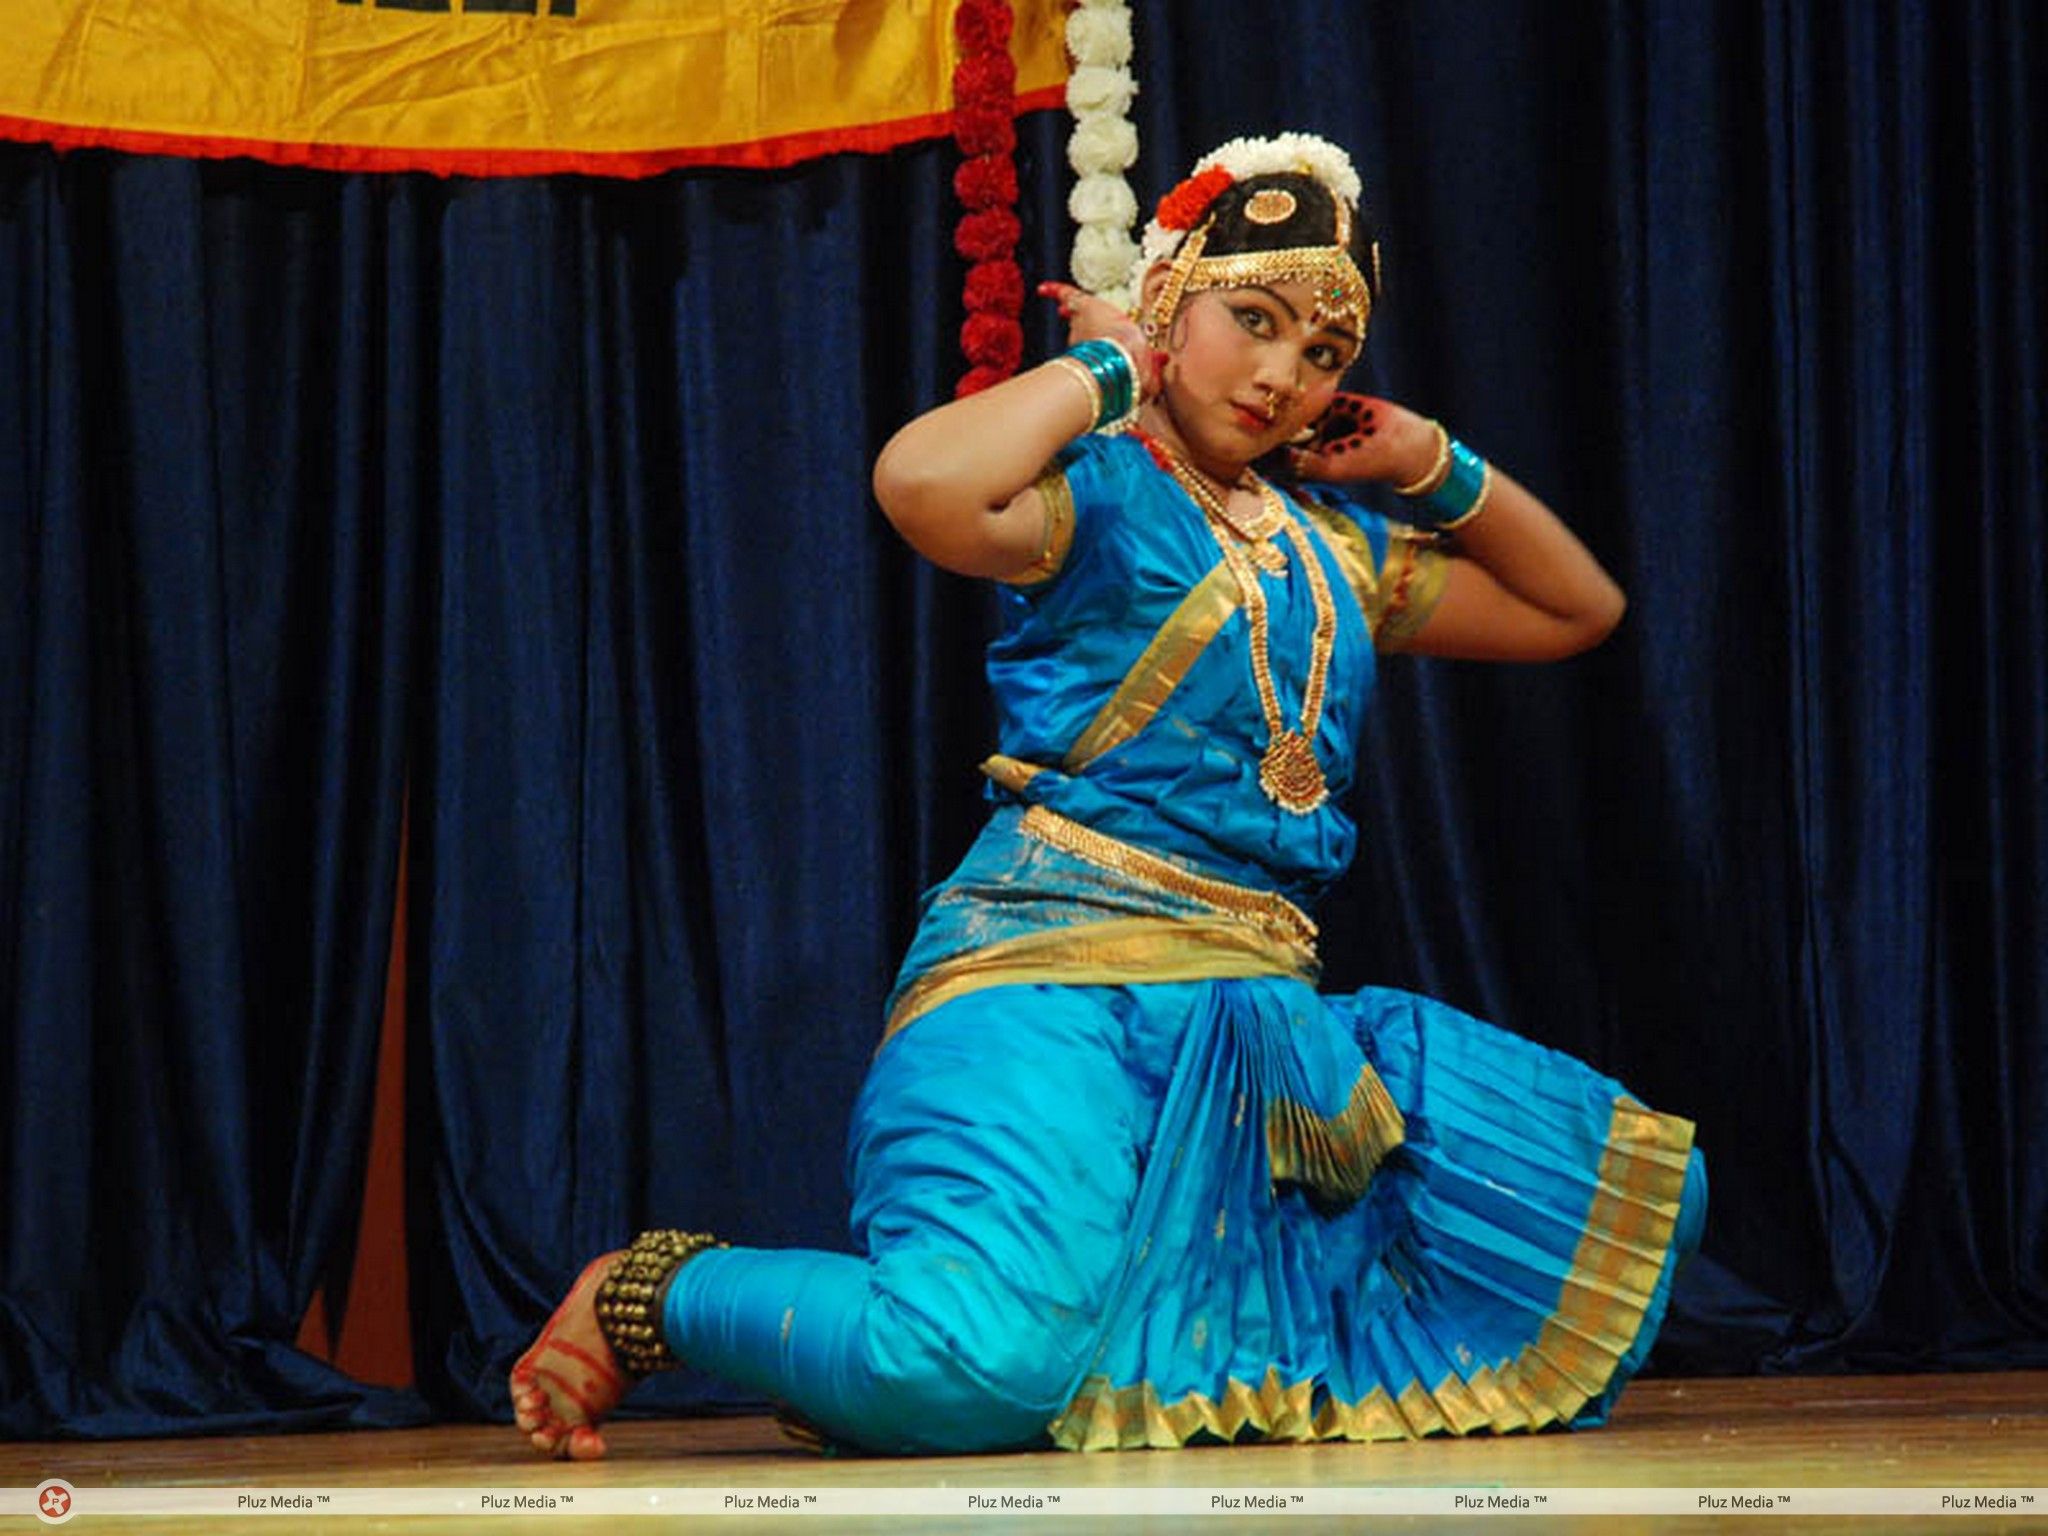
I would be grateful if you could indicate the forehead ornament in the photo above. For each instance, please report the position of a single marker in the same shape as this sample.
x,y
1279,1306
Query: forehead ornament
x,y
1341,296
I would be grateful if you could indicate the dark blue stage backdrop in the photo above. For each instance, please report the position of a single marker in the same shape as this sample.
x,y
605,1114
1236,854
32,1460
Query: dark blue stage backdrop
x,y
541,508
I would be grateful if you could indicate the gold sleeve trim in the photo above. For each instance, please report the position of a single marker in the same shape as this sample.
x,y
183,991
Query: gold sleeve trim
x,y
1116,951
1397,594
1058,499
1160,667
1596,1319
1411,583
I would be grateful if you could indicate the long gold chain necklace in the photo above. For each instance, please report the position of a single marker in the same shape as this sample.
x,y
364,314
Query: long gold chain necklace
x,y
1288,772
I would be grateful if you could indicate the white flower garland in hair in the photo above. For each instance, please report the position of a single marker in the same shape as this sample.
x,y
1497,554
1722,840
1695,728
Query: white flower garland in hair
x,y
1103,145
1302,153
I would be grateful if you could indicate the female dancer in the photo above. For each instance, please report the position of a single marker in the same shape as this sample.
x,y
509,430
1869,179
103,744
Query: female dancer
x,y
1122,1177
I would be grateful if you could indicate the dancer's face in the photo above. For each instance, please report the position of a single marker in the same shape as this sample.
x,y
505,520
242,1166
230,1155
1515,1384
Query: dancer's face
x,y
1249,368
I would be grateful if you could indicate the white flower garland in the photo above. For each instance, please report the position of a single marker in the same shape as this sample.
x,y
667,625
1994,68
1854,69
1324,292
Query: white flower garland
x,y
1302,153
1104,145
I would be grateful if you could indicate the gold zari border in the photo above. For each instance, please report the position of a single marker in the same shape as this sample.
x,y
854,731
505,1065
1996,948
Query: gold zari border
x,y
1116,951
1397,594
1412,583
1013,773
1271,912
1058,499
1598,1315
1336,1156
1159,668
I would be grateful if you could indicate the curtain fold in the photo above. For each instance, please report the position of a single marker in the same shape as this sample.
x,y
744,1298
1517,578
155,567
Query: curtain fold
x,y
544,502
206,725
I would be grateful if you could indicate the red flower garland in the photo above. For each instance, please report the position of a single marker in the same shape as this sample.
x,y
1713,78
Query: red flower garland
x,y
984,130
982,29
989,235
986,181
984,110
995,287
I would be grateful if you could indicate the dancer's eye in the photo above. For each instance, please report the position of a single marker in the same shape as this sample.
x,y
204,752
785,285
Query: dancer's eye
x,y
1253,318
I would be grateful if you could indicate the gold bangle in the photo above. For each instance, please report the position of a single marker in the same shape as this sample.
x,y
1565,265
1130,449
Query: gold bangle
x,y
1077,370
629,1297
1441,466
1478,503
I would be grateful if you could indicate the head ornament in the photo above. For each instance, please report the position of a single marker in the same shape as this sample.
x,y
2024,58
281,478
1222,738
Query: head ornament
x,y
1179,232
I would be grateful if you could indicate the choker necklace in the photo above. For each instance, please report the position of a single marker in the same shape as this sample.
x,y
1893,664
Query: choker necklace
x,y
1213,497
1289,773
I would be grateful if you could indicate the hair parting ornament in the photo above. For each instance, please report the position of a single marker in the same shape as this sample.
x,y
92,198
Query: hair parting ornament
x,y
1179,233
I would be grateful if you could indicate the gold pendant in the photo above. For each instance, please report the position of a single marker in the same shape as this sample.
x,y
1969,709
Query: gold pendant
x,y
1270,557
1290,774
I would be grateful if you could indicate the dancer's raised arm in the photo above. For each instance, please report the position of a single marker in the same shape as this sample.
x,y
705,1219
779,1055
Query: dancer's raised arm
x,y
1520,587
957,481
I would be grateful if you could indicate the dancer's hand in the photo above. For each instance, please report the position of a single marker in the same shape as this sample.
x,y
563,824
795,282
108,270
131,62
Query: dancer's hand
x,y
1089,317
1362,437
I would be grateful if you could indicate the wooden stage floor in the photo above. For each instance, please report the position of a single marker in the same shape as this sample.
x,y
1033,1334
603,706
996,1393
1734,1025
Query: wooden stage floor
x,y
1965,1433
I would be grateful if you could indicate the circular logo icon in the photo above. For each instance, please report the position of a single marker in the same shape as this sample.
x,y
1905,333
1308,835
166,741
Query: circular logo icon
x,y
55,1501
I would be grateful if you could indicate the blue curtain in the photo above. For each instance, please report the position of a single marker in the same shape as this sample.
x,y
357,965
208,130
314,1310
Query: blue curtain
x,y
540,508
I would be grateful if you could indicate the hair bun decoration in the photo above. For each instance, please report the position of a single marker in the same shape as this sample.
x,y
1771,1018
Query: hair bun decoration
x,y
1304,154
1183,207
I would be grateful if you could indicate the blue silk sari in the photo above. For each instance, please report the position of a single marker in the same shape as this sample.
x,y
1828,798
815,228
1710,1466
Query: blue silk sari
x,y
1122,1176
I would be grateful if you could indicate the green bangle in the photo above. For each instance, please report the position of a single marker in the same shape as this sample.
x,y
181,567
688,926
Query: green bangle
x,y
1460,495
1115,376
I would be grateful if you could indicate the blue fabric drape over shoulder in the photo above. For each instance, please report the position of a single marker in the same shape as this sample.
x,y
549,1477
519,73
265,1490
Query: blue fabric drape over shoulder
x,y
540,509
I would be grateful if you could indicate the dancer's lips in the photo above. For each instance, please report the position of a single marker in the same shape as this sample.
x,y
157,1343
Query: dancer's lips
x,y
1250,417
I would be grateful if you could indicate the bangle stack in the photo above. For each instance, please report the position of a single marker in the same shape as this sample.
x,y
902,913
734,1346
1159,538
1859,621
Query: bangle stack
x,y
1454,488
629,1299
1104,369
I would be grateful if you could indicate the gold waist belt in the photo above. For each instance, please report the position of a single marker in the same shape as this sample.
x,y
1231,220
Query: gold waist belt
x,y
1267,910
1242,933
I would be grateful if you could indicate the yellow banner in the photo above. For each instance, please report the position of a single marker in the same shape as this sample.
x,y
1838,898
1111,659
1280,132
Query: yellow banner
x,y
499,87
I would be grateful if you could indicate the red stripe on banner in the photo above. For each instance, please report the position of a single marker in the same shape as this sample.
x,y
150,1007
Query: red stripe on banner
x,y
756,154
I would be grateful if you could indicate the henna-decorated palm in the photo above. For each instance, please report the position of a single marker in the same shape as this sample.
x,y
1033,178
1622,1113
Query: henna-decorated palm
x,y
1362,437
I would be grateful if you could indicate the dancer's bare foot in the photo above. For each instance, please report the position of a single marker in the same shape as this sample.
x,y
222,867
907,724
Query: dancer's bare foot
x,y
568,1383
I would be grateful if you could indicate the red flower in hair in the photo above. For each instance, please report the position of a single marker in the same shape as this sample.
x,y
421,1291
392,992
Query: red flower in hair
x,y
1184,206
986,181
982,25
994,286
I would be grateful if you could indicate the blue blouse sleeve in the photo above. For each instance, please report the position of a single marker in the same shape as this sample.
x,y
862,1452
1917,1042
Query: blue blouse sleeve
x,y
1084,497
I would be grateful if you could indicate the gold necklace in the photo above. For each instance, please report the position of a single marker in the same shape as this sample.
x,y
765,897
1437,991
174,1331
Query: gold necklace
x,y
1255,529
1288,772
